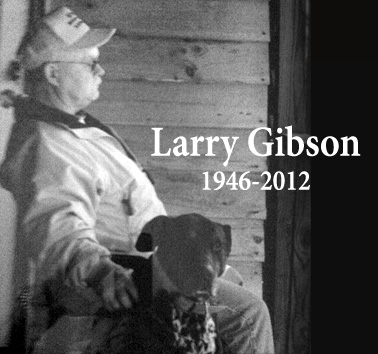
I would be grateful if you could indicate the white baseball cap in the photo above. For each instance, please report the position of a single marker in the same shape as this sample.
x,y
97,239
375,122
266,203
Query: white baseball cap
x,y
60,33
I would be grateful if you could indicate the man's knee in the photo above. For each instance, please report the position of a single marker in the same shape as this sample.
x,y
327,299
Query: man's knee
x,y
245,321
242,303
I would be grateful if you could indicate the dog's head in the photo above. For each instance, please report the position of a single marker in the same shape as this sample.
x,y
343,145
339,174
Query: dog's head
x,y
191,249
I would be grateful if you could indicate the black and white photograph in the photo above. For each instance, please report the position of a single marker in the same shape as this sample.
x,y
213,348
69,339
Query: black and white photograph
x,y
157,166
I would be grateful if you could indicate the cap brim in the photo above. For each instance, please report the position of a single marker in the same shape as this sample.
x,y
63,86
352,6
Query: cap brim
x,y
95,37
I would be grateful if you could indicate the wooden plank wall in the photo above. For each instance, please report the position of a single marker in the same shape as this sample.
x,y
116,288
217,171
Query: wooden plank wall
x,y
191,67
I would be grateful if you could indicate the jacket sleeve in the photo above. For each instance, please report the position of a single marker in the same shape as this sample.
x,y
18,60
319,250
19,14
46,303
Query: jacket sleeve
x,y
59,223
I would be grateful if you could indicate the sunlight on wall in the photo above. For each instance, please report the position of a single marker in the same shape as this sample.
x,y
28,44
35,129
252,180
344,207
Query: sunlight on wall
x,y
13,20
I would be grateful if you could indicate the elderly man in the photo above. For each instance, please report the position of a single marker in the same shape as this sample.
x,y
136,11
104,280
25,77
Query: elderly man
x,y
82,196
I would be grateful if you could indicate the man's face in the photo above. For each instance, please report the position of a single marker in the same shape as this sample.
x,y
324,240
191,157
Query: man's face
x,y
78,81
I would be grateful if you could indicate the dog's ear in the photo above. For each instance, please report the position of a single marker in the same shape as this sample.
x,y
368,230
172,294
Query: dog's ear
x,y
144,242
153,234
227,231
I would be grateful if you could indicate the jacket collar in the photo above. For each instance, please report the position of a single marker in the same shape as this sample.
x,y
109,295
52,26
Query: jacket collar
x,y
28,108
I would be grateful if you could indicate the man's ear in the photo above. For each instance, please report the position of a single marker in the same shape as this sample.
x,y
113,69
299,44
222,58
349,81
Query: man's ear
x,y
51,72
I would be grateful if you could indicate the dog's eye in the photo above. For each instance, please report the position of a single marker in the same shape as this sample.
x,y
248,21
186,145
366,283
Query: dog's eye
x,y
217,245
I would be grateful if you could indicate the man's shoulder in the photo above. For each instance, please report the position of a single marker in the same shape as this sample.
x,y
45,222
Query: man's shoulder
x,y
36,129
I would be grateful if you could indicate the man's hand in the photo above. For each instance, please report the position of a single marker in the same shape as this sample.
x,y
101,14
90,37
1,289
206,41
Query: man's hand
x,y
114,284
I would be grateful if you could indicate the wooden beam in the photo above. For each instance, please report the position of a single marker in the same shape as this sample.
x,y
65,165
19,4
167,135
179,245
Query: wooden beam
x,y
293,251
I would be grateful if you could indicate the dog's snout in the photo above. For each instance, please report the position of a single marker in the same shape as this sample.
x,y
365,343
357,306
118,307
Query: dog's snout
x,y
209,274
211,271
203,295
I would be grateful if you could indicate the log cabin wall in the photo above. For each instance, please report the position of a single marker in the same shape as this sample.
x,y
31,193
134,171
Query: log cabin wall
x,y
193,68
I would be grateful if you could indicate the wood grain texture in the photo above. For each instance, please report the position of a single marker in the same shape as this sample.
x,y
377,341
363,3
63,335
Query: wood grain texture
x,y
251,273
217,20
300,312
292,323
293,265
182,192
141,139
181,61
247,238
182,104
249,241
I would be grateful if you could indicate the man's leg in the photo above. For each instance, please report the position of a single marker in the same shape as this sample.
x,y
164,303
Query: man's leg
x,y
244,324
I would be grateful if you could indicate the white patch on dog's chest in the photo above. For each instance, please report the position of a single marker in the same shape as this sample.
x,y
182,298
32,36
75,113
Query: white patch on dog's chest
x,y
194,332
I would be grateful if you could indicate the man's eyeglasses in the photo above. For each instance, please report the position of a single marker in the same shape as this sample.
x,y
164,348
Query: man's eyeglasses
x,y
93,65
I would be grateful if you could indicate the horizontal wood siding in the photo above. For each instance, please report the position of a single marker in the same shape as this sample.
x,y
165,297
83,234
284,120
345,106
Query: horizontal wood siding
x,y
180,61
248,237
215,20
182,192
141,140
182,105
193,68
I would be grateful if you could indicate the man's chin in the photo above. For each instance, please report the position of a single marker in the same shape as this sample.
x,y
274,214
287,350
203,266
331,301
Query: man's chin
x,y
95,96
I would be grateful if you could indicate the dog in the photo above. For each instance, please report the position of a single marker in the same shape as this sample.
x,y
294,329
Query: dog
x,y
191,252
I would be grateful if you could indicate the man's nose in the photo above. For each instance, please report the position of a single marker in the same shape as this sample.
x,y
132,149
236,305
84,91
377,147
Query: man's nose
x,y
99,70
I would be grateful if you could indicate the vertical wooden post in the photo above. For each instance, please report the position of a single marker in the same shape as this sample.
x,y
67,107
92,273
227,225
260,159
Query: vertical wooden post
x,y
291,312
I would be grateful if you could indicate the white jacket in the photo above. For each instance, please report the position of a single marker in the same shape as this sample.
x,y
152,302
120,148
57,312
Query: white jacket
x,y
79,195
